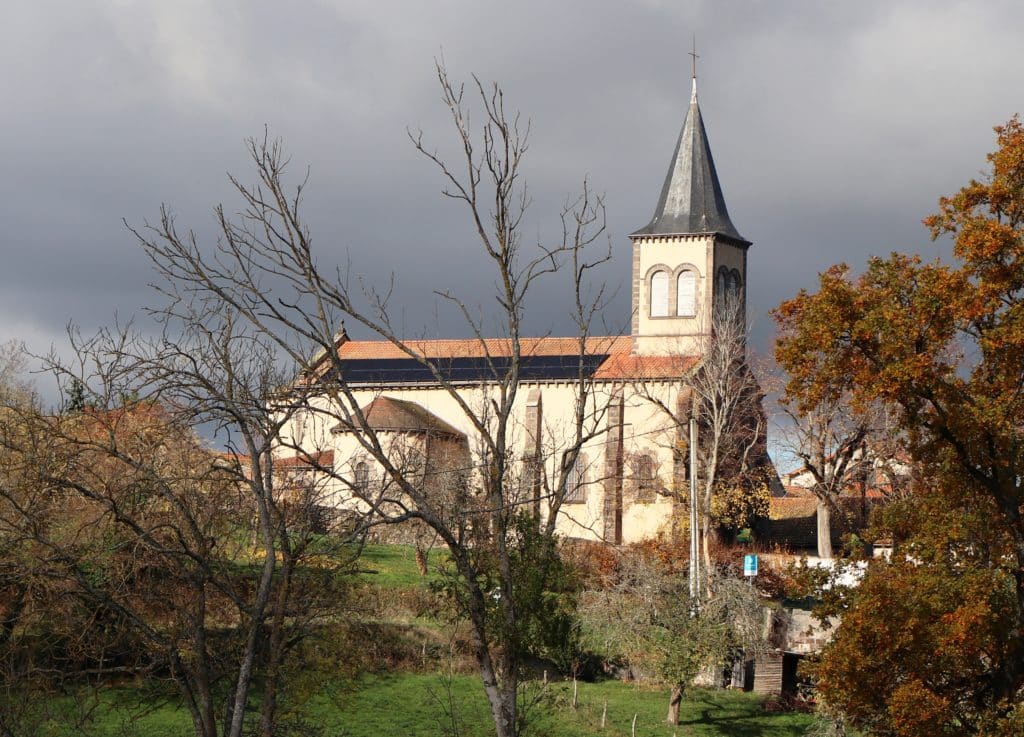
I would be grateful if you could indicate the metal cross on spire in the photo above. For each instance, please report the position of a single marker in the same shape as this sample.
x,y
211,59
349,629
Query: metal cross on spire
x,y
693,84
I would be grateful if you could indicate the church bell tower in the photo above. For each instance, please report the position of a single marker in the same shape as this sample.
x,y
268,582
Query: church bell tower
x,y
689,258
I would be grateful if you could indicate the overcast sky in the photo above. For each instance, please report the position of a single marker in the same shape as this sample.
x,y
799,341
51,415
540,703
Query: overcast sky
x,y
835,126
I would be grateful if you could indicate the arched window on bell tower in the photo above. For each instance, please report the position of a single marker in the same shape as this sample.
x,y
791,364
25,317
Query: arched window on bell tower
x,y
686,293
721,284
659,294
735,283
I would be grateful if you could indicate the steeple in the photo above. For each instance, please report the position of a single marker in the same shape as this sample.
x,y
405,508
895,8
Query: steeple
x,y
691,200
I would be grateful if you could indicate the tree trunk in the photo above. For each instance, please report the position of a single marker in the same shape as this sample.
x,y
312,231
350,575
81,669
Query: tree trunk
x,y
257,618
421,560
705,535
824,517
705,538
673,704
276,650
502,700
196,680
501,694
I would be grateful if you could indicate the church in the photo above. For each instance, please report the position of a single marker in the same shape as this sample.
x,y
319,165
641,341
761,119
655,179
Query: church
x,y
628,479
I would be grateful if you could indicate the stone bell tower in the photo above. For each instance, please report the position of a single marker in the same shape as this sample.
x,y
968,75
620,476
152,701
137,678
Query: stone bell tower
x,y
689,257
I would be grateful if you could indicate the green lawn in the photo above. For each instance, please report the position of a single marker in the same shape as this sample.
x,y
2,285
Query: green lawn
x,y
394,566
422,705
415,705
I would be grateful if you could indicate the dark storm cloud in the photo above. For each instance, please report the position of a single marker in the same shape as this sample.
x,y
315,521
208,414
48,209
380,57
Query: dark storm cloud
x,y
835,126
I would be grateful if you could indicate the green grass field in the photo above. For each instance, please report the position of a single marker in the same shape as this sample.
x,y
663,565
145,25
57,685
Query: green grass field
x,y
394,566
419,705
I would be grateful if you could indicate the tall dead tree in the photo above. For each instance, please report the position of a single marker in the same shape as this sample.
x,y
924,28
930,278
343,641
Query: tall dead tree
x,y
727,405
141,524
264,272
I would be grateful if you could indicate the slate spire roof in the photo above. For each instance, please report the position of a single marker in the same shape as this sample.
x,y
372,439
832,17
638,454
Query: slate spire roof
x,y
691,200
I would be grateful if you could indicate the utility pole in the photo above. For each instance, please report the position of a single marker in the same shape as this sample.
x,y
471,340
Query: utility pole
x,y
694,521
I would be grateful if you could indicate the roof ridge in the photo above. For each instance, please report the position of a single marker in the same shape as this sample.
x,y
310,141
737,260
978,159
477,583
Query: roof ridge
x,y
475,347
539,338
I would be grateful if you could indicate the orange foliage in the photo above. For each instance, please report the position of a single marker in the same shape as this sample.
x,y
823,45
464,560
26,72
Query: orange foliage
x,y
930,643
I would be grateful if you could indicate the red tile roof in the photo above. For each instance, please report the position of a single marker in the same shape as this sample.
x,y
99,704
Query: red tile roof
x,y
323,458
387,414
787,507
628,366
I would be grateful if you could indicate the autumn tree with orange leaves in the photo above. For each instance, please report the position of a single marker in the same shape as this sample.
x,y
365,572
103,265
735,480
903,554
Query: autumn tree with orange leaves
x,y
932,642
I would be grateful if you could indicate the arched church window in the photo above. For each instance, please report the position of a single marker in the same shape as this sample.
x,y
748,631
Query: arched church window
x,y
722,283
659,294
734,282
361,480
646,483
576,481
686,294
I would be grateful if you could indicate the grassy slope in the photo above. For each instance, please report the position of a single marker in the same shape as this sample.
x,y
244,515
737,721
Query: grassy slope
x,y
413,705
419,706
393,566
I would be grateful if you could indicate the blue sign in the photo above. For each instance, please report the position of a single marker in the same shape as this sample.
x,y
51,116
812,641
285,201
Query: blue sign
x,y
749,565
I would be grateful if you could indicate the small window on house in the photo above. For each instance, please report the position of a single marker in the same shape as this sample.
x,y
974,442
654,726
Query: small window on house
x,y
722,283
659,294
361,480
686,294
299,431
576,482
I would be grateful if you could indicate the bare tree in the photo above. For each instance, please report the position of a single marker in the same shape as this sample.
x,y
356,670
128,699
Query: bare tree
x,y
150,534
218,372
15,389
263,271
831,441
844,451
727,405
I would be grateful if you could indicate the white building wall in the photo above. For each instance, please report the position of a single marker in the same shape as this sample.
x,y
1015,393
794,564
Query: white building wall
x,y
663,335
646,429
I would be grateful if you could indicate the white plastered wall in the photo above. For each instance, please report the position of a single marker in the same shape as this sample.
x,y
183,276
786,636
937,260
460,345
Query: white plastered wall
x,y
646,430
661,335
